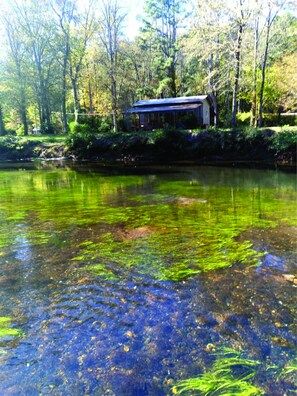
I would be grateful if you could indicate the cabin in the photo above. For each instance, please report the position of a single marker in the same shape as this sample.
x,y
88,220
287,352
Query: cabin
x,y
186,112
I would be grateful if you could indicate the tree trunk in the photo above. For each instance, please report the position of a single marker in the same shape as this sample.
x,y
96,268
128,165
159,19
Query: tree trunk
x,y
253,120
64,86
90,97
263,73
24,119
227,104
2,128
76,100
114,104
23,106
237,72
44,103
172,76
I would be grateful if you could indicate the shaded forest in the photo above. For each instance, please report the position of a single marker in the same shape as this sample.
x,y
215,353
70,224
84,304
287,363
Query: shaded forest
x,y
64,63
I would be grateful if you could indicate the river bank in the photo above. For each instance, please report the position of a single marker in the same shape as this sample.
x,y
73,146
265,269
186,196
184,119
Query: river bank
x,y
274,147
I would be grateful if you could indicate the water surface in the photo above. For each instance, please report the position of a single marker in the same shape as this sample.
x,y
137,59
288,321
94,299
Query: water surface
x,y
119,281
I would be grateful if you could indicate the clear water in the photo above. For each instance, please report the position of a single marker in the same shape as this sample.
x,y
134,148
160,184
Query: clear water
x,y
118,281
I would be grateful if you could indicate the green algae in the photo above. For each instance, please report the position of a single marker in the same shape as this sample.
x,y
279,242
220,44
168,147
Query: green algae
x,y
231,374
101,271
196,222
165,255
6,330
290,369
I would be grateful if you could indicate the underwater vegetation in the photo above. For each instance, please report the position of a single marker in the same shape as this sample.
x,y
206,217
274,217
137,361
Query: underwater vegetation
x,y
6,330
231,374
164,255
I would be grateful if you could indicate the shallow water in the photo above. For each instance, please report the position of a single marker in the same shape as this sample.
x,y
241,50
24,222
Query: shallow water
x,y
118,281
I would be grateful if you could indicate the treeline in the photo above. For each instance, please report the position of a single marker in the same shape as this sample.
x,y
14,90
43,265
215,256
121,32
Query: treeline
x,y
66,62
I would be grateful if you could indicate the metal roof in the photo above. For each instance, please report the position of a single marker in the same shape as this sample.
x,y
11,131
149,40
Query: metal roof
x,y
170,101
159,109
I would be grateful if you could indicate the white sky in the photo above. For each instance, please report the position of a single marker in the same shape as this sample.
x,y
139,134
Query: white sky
x,y
134,9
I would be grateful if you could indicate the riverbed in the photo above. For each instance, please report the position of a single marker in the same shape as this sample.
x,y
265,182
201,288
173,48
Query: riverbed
x,y
124,281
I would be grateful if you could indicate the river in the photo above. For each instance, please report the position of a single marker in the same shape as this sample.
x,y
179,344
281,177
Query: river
x,y
125,281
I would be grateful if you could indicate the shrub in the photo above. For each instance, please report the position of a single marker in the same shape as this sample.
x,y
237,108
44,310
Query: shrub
x,y
15,148
80,139
106,125
279,120
171,142
283,141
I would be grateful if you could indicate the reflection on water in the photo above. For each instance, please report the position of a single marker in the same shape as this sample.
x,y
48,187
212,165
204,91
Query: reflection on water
x,y
120,281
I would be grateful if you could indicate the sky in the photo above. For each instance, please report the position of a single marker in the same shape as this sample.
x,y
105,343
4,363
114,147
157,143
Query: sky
x,y
134,9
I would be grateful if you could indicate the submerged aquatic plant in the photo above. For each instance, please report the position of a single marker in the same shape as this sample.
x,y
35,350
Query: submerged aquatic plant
x,y
101,271
290,368
164,254
6,330
231,374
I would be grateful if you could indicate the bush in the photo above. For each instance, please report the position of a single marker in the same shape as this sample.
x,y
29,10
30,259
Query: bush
x,y
80,139
172,143
15,148
283,141
269,120
279,120
106,125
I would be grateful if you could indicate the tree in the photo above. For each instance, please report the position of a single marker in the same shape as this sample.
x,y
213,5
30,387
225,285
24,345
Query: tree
x,y
2,127
273,7
256,16
80,36
110,31
241,19
285,77
64,10
217,40
34,19
161,23
18,53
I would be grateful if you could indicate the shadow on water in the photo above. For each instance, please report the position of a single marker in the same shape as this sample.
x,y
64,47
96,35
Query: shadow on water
x,y
100,272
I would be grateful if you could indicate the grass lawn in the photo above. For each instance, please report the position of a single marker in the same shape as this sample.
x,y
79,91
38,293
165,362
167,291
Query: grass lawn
x,y
46,138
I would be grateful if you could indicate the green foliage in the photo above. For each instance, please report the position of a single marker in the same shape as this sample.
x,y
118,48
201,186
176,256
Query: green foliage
x,y
243,118
231,374
80,139
171,143
16,148
284,140
276,119
105,125
20,130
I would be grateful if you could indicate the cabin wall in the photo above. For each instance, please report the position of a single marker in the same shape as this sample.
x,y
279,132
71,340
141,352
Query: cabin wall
x,y
206,113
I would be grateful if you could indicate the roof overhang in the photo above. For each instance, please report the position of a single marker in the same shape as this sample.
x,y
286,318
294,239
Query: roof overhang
x,y
171,101
161,109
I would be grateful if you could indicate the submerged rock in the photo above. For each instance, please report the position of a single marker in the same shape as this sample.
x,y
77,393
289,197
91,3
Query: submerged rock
x,y
126,234
190,201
